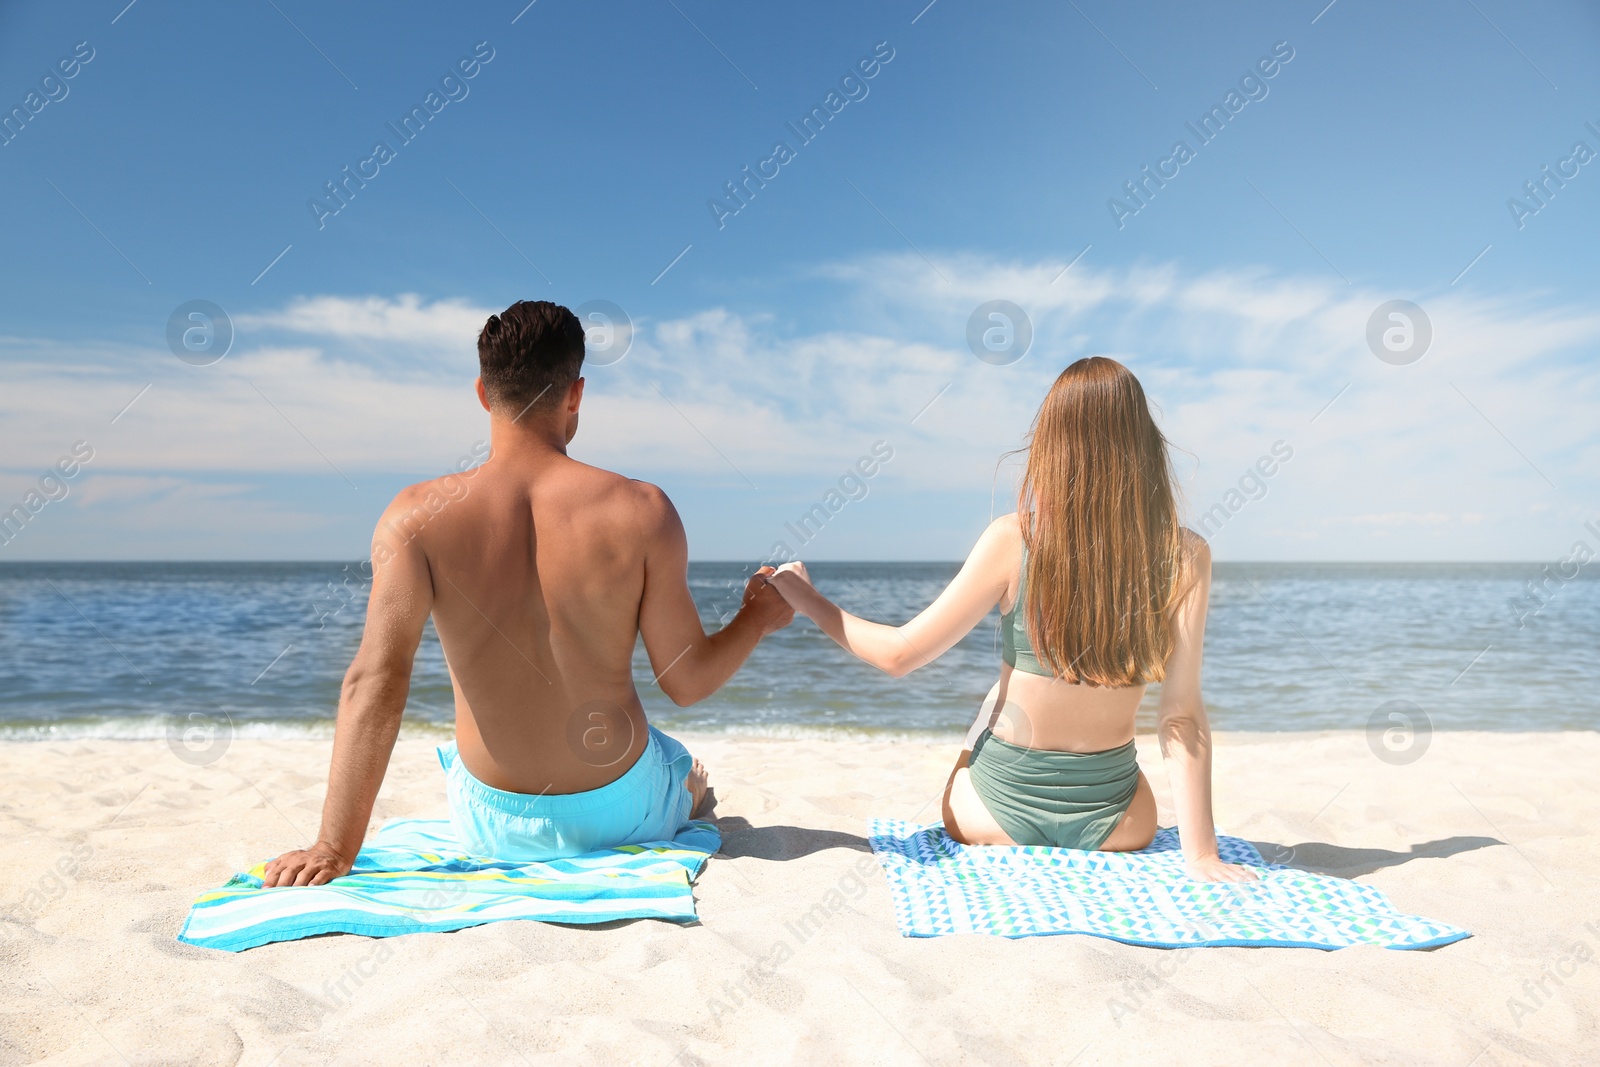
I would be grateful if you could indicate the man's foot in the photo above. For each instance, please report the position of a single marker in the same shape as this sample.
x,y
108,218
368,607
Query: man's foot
x,y
699,785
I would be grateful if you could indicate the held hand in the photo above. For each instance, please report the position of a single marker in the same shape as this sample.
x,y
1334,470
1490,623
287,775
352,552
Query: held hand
x,y
797,568
316,865
1212,869
763,604
790,579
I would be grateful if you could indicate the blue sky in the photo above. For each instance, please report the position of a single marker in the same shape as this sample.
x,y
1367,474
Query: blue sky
x,y
831,311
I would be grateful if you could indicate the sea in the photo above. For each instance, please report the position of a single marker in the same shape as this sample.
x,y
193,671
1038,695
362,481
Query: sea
x,y
140,650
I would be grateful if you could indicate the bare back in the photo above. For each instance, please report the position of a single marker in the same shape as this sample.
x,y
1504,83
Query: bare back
x,y
541,574
1045,712
538,575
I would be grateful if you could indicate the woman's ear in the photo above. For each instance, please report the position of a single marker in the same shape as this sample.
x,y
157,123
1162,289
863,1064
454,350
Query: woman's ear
x,y
483,397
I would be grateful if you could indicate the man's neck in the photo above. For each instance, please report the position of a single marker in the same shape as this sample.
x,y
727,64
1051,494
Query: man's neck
x,y
531,438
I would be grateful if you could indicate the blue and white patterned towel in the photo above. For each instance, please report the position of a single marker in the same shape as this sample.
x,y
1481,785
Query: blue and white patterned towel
x,y
412,877
1141,898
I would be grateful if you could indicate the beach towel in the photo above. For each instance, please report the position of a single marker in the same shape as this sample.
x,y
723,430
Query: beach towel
x,y
940,887
412,877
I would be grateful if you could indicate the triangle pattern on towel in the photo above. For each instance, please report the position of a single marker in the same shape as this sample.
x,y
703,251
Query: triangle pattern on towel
x,y
940,887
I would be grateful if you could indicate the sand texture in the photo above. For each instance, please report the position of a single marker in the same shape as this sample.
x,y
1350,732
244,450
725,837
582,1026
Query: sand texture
x,y
109,841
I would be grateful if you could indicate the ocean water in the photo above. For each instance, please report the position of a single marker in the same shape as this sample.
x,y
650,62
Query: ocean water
x,y
129,649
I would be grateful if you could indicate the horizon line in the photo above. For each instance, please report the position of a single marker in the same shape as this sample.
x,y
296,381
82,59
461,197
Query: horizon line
x,y
742,562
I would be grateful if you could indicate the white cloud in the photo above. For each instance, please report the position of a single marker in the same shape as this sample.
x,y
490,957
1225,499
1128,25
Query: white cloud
x,y
119,489
407,319
1234,360
1401,518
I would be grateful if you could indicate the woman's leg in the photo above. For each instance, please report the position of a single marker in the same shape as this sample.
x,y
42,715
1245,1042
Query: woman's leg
x,y
1138,826
965,817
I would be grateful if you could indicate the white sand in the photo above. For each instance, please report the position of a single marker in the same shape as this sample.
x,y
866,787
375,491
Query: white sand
x,y
1494,832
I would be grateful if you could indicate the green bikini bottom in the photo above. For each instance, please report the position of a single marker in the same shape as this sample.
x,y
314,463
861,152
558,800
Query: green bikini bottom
x,y
1061,799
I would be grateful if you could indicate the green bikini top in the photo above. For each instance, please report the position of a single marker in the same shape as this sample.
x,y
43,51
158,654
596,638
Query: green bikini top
x,y
1015,647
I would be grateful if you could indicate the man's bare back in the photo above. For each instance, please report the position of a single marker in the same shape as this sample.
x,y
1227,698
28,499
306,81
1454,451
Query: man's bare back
x,y
544,574
540,573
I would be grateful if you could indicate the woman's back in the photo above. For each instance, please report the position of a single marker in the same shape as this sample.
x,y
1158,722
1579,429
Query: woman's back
x,y
1039,710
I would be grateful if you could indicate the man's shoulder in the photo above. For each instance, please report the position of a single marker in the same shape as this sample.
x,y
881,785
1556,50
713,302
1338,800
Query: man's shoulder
x,y
650,505
415,508
598,483
632,501
433,493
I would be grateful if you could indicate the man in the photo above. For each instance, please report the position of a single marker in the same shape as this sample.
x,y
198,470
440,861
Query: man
x,y
539,580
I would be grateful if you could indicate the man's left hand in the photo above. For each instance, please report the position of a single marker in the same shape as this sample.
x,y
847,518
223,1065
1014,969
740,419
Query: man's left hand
x,y
316,865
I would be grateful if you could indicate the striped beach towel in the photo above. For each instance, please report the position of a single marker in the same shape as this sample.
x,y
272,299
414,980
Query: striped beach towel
x,y
1140,898
412,877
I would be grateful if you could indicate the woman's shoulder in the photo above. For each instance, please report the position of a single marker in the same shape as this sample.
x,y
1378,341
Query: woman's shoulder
x,y
1194,562
1007,526
998,552
1196,550
1003,537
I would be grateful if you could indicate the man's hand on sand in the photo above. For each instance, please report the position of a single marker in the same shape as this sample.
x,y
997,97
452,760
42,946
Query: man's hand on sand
x,y
312,866
763,603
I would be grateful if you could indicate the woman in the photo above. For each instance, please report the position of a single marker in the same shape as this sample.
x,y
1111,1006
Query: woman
x,y
1102,592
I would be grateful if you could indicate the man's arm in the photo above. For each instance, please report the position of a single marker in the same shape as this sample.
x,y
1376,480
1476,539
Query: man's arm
x,y
689,664
370,705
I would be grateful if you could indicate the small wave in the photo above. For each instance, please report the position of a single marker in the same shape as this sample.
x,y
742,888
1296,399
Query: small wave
x,y
812,732
160,727
149,728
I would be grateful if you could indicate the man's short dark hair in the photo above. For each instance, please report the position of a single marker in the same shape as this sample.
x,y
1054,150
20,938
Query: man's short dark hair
x,y
529,354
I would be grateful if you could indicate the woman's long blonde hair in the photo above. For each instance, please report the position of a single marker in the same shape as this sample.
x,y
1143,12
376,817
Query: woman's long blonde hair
x,y
1099,518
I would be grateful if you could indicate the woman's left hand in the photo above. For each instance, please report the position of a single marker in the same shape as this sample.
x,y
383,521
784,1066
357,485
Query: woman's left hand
x,y
1212,869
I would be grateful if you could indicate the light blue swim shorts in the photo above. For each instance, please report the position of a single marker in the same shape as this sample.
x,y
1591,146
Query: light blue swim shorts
x,y
648,803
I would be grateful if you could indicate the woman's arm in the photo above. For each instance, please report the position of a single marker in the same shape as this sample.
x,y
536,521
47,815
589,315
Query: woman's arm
x,y
899,650
1185,734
